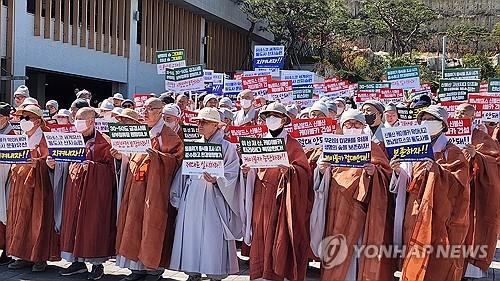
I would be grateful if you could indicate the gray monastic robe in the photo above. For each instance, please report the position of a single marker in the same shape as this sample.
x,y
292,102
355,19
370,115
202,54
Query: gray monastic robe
x,y
208,222
4,182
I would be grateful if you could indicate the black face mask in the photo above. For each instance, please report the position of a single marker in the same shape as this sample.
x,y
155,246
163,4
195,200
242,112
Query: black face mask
x,y
370,118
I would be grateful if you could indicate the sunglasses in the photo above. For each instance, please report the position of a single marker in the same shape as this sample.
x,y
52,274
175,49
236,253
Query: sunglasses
x,y
27,118
128,106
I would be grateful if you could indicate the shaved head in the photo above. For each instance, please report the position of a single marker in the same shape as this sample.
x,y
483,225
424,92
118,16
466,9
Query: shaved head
x,y
85,113
154,102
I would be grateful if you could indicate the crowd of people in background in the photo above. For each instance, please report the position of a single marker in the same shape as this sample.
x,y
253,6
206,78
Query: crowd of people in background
x,y
140,210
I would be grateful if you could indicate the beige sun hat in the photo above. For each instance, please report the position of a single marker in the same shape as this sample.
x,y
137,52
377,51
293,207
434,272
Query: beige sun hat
x,y
275,107
208,114
130,114
31,108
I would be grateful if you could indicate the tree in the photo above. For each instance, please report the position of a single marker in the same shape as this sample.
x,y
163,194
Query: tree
x,y
406,22
466,36
302,26
480,61
495,36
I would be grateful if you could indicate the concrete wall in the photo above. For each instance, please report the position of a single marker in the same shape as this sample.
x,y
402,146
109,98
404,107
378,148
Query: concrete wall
x,y
3,29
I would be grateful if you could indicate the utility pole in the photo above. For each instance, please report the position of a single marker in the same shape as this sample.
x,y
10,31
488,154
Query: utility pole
x,y
443,60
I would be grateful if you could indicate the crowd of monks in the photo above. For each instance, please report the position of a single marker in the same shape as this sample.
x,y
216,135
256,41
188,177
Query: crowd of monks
x,y
142,211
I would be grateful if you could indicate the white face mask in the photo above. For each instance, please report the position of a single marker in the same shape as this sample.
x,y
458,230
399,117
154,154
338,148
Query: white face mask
x,y
352,131
245,103
26,126
80,125
273,123
435,126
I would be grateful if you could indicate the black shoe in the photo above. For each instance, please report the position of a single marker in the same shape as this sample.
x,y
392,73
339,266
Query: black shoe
x,y
152,277
97,272
196,277
134,277
4,259
39,267
74,268
20,264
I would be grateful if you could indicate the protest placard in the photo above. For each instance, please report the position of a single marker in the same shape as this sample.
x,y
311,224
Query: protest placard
x,y
14,149
280,90
203,157
169,59
457,89
258,84
362,96
303,95
298,77
309,132
391,96
462,73
263,152
187,117
408,144
129,138
16,126
494,85
269,58
373,86
335,89
208,76
488,105
406,77
251,73
251,131
232,88
347,151
415,94
408,116
62,128
101,124
459,131
190,132
65,147
140,99
188,78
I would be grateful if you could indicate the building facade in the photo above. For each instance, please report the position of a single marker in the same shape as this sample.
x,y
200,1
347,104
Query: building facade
x,y
109,46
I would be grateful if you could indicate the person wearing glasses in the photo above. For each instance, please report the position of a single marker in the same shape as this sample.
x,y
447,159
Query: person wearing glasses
x,y
146,220
21,93
31,235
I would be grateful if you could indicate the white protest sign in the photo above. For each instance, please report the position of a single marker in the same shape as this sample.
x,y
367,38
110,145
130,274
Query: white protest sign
x,y
263,152
203,157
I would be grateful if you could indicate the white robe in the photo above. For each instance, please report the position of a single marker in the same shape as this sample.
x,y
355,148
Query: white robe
x,y
241,118
208,221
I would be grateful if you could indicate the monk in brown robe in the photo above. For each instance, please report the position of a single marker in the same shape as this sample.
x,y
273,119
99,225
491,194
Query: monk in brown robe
x,y
31,236
146,220
484,166
88,229
5,129
434,197
353,205
278,205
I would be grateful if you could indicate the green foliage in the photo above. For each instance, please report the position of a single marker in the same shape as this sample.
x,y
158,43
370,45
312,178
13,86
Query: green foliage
x,y
465,37
495,36
480,61
405,22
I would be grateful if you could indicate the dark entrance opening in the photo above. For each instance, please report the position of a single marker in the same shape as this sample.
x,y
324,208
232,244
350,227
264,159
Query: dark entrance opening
x,y
62,87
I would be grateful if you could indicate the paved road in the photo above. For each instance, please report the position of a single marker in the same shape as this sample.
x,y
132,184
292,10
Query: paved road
x,y
114,273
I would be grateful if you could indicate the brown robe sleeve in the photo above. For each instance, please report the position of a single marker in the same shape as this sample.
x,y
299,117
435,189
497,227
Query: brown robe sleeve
x,y
292,236
159,215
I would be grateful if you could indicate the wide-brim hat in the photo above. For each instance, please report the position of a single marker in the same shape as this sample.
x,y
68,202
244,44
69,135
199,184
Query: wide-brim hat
x,y
33,109
208,114
276,107
130,114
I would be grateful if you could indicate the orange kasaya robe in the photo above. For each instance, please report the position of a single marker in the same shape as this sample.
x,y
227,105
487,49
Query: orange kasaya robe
x,y
3,229
437,213
360,208
88,228
146,220
280,219
484,199
31,235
